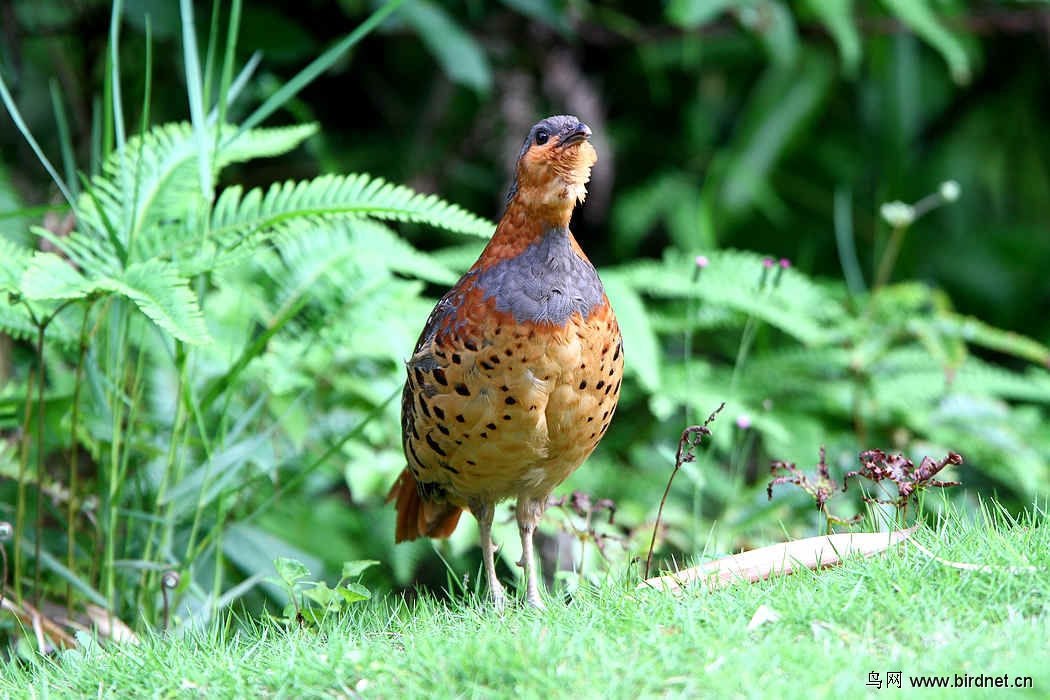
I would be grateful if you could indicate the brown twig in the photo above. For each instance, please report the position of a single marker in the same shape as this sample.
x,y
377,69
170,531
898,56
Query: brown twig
x,y
691,437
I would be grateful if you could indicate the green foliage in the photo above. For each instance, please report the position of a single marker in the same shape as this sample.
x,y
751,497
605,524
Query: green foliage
x,y
239,215
183,334
310,602
460,55
224,328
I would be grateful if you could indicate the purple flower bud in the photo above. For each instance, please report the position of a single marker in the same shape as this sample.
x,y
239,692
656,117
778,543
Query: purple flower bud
x,y
784,264
743,421
768,262
701,262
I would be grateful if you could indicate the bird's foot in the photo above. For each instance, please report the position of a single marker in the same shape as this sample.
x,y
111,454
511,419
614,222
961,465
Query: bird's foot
x,y
533,599
498,596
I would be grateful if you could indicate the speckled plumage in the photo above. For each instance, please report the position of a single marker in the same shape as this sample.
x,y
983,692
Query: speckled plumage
x,y
517,372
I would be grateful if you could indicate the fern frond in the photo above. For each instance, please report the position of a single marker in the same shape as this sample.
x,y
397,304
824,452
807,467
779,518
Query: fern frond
x,y
977,377
47,276
239,216
977,332
161,293
163,165
154,286
15,319
1007,443
795,305
817,378
677,318
369,244
325,265
13,261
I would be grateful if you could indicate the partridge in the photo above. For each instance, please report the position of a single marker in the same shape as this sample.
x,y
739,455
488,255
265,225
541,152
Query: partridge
x,y
516,374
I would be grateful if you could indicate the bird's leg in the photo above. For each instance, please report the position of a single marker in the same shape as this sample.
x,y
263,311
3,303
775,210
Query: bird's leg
x,y
529,512
484,512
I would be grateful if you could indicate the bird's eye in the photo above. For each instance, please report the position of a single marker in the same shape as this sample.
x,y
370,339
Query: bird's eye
x,y
541,136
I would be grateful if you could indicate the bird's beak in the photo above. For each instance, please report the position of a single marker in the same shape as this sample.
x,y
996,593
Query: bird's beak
x,y
582,132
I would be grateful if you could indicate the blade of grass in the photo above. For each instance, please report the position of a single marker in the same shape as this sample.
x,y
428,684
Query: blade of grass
x,y
209,54
74,453
316,67
290,484
227,67
118,106
111,230
20,124
170,475
96,136
195,90
49,562
147,89
843,218
65,142
236,87
32,212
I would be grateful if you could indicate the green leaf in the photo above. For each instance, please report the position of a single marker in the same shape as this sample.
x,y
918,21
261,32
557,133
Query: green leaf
x,y
290,570
640,347
918,15
353,569
776,111
775,27
837,17
49,276
460,55
160,292
354,592
670,198
321,594
690,14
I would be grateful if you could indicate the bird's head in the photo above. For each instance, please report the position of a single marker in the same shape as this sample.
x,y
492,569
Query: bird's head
x,y
554,166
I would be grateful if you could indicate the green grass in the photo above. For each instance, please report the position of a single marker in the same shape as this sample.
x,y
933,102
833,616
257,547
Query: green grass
x,y
897,612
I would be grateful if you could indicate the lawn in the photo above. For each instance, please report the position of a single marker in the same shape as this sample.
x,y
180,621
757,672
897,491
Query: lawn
x,y
903,611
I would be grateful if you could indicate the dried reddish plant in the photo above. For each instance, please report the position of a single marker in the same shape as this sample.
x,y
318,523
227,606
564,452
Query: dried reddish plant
x,y
879,467
687,444
586,506
820,487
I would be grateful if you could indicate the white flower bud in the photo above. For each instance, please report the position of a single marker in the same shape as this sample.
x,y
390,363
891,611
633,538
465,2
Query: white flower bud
x,y
950,190
898,214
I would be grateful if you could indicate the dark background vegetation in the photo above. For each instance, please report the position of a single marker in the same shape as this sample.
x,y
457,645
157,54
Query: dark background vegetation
x,y
761,126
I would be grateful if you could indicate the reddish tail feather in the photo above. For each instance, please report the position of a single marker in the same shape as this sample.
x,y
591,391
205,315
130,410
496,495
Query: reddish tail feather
x,y
418,518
